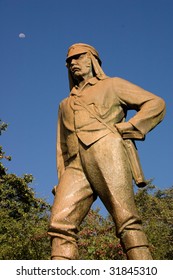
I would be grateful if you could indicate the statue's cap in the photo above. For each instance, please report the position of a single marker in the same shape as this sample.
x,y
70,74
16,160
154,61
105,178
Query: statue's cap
x,y
80,48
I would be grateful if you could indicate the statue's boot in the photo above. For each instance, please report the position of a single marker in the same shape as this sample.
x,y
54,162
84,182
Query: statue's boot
x,y
139,253
135,245
58,258
63,249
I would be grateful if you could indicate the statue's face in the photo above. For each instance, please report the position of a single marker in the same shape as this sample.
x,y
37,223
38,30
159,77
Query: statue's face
x,y
80,66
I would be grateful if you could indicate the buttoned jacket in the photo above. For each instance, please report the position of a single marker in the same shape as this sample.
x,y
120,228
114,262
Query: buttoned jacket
x,y
110,99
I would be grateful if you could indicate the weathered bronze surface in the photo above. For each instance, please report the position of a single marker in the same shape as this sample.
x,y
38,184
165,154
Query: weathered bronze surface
x,y
92,158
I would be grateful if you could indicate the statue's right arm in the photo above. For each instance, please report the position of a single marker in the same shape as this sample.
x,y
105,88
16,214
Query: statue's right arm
x,y
61,147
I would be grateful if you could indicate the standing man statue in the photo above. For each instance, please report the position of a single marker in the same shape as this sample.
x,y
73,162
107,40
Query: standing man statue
x,y
92,155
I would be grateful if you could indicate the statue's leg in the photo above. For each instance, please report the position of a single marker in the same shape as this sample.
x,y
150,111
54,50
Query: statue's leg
x,y
107,168
73,199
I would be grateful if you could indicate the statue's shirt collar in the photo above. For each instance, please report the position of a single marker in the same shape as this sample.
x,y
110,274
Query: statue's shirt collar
x,y
77,91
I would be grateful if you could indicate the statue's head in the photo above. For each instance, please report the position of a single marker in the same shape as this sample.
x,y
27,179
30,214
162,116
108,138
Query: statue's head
x,y
78,49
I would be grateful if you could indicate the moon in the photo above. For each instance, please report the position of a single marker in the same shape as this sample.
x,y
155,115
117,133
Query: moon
x,y
22,35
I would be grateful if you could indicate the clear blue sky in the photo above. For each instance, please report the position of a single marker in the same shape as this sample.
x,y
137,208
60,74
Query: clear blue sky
x,y
135,42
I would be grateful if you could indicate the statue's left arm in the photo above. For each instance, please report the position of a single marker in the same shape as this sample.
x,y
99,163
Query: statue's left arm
x,y
150,109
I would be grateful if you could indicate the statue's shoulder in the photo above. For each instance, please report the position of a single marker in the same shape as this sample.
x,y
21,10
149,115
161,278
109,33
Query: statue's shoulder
x,y
63,102
113,80
118,79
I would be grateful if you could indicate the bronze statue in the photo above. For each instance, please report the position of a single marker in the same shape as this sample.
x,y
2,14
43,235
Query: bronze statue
x,y
93,159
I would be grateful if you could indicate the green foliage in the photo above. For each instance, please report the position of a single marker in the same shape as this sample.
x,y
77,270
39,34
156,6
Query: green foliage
x,y
24,218
156,209
97,240
3,126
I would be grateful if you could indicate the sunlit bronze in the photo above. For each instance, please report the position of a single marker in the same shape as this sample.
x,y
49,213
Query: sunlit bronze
x,y
92,153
